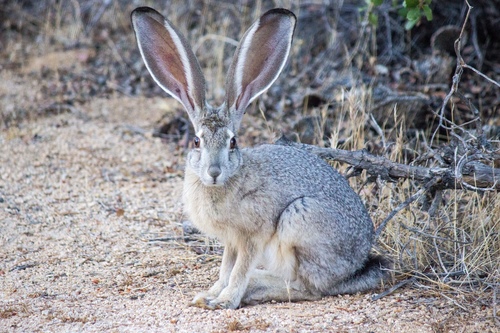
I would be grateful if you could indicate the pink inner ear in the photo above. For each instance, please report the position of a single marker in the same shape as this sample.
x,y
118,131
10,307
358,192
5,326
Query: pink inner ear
x,y
266,51
162,58
265,57
170,60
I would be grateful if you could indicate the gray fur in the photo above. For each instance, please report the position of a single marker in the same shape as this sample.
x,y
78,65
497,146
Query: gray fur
x,y
292,227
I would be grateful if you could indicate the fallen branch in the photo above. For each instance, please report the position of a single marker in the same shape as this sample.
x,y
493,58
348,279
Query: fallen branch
x,y
471,174
394,288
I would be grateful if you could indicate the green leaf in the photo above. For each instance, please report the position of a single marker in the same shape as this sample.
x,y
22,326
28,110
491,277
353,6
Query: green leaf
x,y
410,24
427,12
402,12
413,14
373,19
411,3
377,2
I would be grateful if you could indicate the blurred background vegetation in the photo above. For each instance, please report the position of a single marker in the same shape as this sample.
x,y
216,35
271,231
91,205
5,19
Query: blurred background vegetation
x,y
88,50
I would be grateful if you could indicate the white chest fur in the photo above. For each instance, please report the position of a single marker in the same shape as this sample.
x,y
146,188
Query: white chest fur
x,y
225,211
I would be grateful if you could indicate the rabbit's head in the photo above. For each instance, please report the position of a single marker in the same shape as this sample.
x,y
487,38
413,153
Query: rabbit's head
x,y
259,58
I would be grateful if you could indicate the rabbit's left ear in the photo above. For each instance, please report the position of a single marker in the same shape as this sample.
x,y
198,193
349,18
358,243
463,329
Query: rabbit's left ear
x,y
259,59
170,60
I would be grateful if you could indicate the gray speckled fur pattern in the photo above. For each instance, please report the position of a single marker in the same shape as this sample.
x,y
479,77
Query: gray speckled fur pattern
x,y
292,227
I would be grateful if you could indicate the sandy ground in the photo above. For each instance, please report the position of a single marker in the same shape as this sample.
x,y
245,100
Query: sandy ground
x,y
81,197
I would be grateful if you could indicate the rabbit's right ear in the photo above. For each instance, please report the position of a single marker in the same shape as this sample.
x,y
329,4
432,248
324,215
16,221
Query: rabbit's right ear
x,y
170,60
258,60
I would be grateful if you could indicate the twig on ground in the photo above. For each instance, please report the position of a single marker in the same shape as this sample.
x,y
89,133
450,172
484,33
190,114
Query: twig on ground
x,y
415,277
394,288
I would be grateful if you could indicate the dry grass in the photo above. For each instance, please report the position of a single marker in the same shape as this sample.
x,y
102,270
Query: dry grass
x,y
453,252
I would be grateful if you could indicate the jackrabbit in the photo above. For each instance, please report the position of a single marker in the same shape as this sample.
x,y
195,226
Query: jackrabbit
x,y
292,227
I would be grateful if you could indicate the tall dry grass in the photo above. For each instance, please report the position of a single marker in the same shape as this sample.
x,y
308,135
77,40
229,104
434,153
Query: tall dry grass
x,y
456,250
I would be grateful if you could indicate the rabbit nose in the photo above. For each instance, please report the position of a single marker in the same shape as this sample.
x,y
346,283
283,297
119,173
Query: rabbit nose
x,y
214,171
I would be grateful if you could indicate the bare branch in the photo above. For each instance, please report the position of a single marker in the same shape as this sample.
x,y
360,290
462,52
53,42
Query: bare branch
x,y
405,204
457,76
470,171
484,76
394,288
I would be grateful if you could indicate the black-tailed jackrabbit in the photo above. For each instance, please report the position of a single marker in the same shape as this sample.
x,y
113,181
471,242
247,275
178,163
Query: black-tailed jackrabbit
x,y
292,227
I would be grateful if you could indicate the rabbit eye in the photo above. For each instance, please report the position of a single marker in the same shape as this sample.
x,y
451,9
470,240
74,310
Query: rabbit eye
x,y
232,143
196,142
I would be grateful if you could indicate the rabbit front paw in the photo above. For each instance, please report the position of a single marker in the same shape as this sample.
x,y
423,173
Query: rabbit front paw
x,y
221,303
205,301
229,298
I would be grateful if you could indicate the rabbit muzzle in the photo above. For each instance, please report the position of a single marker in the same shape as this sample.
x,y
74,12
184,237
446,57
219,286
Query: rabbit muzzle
x,y
216,170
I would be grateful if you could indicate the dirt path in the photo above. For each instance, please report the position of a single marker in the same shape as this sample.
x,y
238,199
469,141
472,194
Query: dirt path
x,y
81,195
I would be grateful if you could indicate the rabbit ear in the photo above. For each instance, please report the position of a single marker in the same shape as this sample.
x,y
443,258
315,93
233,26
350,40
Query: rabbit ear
x,y
259,59
170,60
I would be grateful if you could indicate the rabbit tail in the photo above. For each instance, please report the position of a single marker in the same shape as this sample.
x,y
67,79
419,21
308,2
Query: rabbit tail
x,y
368,277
